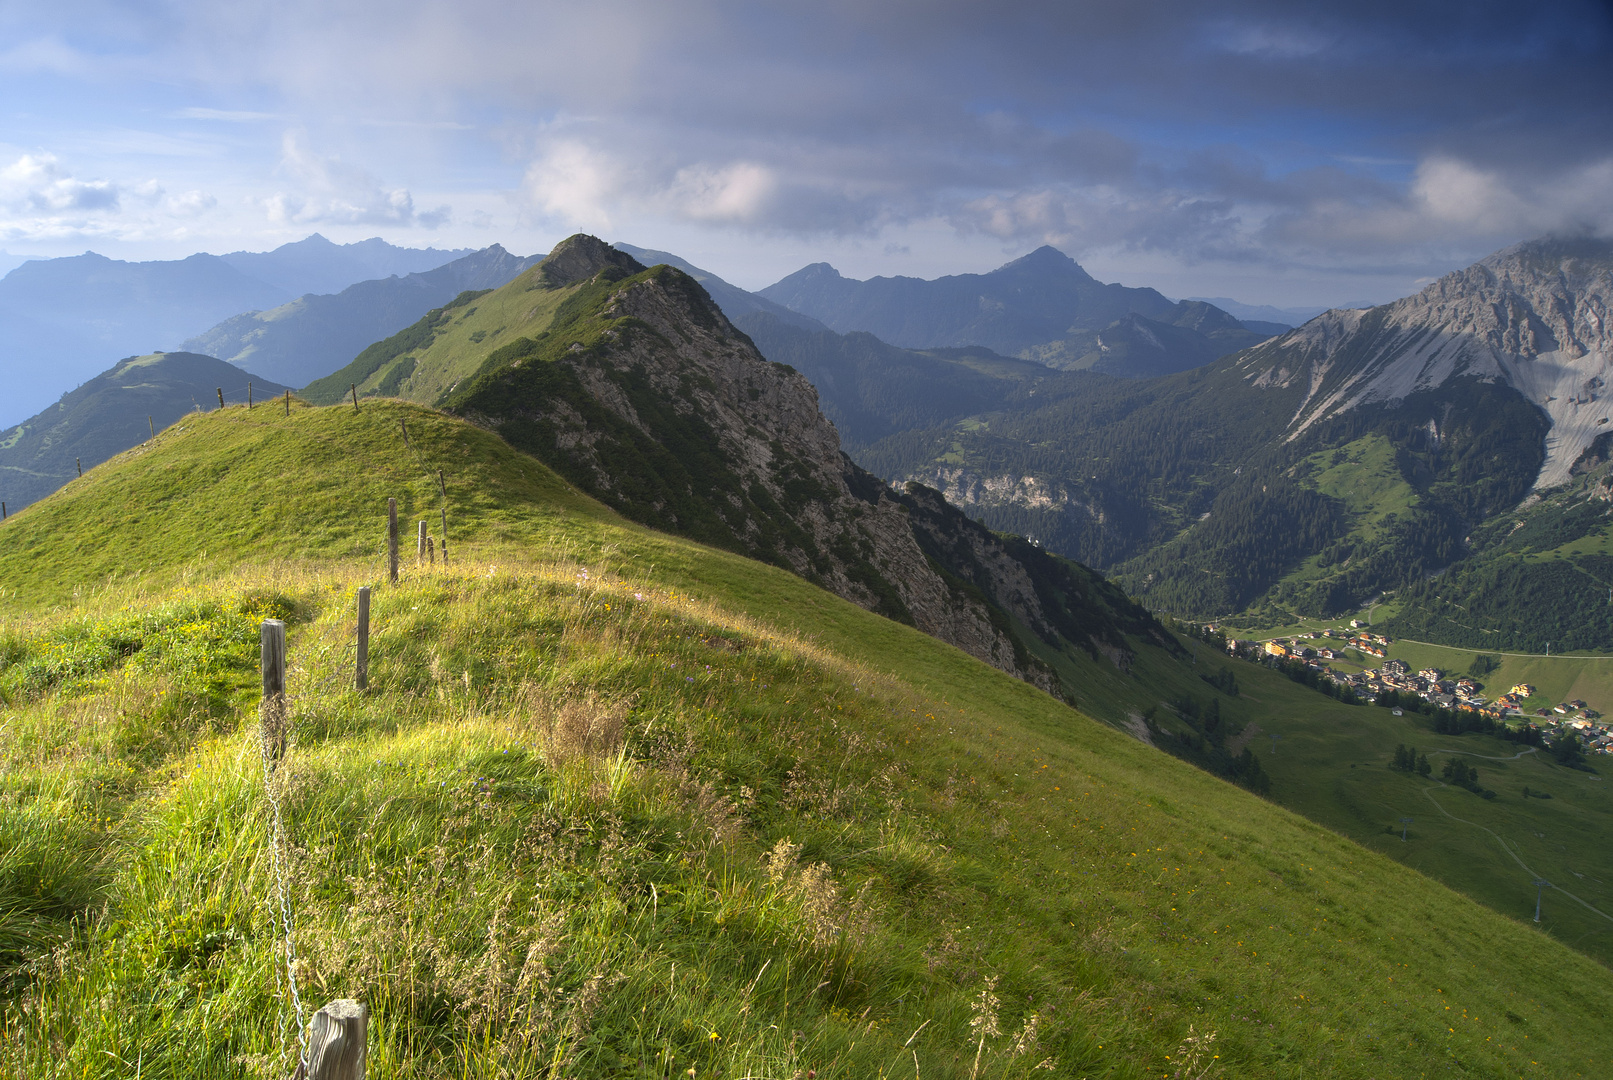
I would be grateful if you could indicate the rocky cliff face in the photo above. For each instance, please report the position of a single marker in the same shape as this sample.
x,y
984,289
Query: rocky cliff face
x,y
644,394
1537,317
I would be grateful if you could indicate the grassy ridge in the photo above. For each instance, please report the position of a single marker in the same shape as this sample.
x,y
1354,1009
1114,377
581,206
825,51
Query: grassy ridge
x,y
427,360
559,836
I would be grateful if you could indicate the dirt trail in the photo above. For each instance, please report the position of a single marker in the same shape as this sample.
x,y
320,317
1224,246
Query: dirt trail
x,y
1487,757
1521,864
1242,739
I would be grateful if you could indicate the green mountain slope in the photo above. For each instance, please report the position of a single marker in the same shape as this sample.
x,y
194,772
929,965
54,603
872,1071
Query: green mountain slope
x,y
1537,576
871,390
119,408
618,803
1366,454
632,384
429,359
317,333
1196,493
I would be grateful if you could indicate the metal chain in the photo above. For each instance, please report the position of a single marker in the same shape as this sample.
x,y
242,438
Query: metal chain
x,y
277,843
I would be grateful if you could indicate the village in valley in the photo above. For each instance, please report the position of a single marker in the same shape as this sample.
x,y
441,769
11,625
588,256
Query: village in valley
x,y
1518,705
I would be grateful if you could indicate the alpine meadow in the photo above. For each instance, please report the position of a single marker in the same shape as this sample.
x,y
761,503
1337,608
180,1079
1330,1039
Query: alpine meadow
x,y
699,540
615,802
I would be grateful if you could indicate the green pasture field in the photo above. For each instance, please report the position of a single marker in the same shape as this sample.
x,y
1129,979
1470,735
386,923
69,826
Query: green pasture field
x,y
619,805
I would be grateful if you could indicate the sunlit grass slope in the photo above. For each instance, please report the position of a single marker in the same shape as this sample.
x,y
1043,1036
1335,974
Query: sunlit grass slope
x,y
423,362
617,805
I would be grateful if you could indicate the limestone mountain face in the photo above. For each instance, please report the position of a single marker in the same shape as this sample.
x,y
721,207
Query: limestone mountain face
x,y
642,393
1534,317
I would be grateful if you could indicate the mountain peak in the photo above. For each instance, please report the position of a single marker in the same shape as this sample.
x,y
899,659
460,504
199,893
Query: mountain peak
x,y
580,257
1574,256
1046,259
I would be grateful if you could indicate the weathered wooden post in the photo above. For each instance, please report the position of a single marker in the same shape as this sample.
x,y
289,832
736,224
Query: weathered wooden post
x,y
404,424
272,708
444,510
152,425
80,463
249,395
220,396
361,675
2,511
392,539
336,1042
442,487
420,543
355,396
288,402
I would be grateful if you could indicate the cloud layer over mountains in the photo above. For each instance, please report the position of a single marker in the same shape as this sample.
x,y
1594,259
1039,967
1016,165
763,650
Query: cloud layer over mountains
x,y
1283,142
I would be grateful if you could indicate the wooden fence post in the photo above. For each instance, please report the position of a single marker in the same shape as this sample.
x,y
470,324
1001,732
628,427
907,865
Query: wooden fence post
x,y
336,1041
80,463
220,397
152,425
392,538
444,510
2,511
355,396
272,709
404,424
288,402
249,395
420,543
361,675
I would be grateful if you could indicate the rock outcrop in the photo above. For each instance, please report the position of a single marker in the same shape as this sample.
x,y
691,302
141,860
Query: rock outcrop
x,y
645,395
1537,317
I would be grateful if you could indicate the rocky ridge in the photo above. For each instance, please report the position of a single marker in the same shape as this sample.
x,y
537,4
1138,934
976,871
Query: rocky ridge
x,y
1535,317
646,396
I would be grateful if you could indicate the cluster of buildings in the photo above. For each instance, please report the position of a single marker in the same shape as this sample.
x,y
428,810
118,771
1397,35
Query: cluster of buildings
x,y
1430,684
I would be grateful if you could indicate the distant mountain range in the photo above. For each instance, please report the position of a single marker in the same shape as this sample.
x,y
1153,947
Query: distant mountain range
x,y
734,301
314,335
1356,455
63,320
1370,452
316,265
119,408
1041,307
1287,318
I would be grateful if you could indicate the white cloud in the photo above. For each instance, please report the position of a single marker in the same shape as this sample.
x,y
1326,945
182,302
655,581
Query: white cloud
x,y
328,190
739,193
39,184
1464,196
41,200
1082,219
576,184
190,204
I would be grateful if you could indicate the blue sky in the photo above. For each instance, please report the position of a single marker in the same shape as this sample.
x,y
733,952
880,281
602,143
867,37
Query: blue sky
x,y
1283,153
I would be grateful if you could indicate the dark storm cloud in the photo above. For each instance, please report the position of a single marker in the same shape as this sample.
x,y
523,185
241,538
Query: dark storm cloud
x,y
1163,126
1376,132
